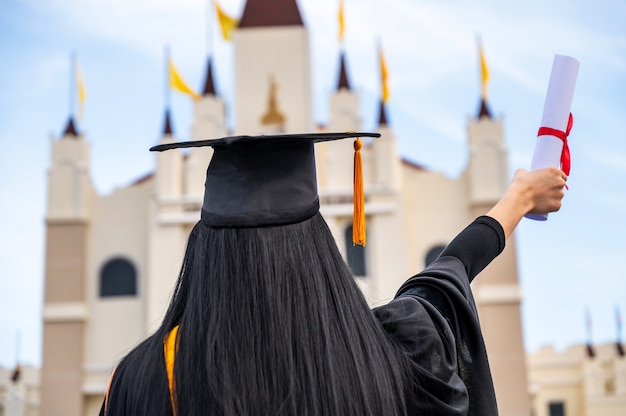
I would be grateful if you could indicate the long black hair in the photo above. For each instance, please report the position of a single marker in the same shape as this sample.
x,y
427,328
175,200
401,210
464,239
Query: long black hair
x,y
271,323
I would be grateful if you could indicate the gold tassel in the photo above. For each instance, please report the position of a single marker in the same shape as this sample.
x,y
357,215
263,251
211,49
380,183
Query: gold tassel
x,y
358,220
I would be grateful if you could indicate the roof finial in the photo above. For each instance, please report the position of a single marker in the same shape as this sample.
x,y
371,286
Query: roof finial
x,y
273,116
70,128
343,83
209,85
167,126
382,114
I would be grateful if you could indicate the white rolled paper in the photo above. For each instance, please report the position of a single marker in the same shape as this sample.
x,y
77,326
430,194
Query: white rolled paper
x,y
556,112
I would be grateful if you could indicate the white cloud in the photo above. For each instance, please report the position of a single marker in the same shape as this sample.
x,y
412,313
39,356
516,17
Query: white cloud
x,y
144,25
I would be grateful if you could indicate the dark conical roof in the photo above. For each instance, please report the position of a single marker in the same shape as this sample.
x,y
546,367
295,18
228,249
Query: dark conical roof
x,y
591,353
484,109
270,13
382,114
343,74
70,128
209,86
167,126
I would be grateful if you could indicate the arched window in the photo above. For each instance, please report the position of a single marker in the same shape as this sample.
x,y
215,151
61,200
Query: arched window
x,y
355,254
433,253
556,408
118,278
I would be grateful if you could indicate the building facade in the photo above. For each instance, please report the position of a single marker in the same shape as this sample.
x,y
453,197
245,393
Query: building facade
x,y
580,381
112,260
19,391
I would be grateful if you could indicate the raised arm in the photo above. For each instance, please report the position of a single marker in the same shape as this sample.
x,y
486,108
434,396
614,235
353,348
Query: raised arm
x,y
535,192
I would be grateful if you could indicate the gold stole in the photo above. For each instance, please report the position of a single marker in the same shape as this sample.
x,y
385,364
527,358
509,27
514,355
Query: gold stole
x,y
169,352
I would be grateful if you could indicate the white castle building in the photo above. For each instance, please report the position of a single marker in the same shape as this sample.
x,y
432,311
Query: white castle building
x,y
111,261
580,381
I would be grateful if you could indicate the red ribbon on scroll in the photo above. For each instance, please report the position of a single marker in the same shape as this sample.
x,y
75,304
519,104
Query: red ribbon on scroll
x,y
565,156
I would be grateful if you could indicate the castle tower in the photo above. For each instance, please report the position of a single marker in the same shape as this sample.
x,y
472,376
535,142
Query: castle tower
x,y
271,45
65,310
209,119
344,116
168,180
166,238
385,155
385,215
209,122
497,291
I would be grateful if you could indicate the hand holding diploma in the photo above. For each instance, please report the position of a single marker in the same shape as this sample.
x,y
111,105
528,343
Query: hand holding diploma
x,y
551,149
533,192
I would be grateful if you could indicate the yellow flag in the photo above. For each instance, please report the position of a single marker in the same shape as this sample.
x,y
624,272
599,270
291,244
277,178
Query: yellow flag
x,y
80,89
342,26
177,82
227,23
383,76
484,71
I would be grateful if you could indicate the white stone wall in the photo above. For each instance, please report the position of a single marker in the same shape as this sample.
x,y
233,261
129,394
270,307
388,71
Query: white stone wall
x,y
281,54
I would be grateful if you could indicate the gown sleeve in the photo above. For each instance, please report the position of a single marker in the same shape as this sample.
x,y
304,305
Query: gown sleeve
x,y
434,322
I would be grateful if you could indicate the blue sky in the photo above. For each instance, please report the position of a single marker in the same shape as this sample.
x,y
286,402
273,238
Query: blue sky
x,y
568,265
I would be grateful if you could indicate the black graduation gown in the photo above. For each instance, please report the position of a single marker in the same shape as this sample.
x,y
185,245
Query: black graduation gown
x,y
127,378
434,322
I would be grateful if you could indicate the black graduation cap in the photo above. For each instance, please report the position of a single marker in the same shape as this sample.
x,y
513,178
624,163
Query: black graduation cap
x,y
265,180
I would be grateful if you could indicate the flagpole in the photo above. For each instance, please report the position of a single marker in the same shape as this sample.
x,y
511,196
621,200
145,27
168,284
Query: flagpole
x,y
209,27
342,25
481,67
379,52
166,92
71,87
618,323
588,319
17,347
382,68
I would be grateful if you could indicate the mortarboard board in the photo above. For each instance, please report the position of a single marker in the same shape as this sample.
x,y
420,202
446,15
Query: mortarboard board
x,y
255,181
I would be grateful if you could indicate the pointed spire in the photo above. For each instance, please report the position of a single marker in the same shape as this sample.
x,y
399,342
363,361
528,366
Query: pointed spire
x,y
618,324
70,128
270,13
590,350
343,74
382,114
209,85
484,109
16,375
167,127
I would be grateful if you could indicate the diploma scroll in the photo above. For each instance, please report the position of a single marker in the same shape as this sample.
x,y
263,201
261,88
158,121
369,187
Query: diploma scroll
x,y
556,114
